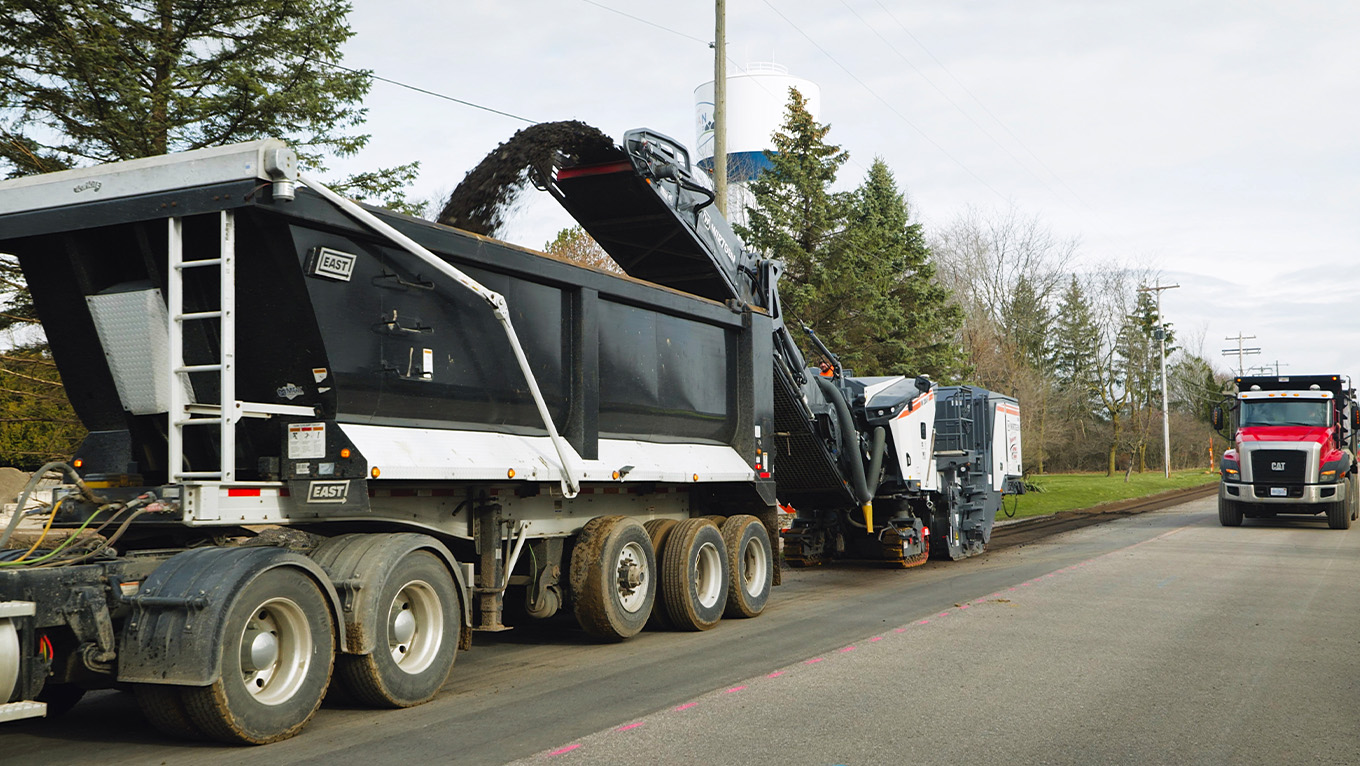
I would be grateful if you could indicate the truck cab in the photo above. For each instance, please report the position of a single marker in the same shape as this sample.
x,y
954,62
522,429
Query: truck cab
x,y
1294,446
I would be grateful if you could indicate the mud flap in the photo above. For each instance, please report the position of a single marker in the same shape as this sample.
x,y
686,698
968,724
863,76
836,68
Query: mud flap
x,y
174,634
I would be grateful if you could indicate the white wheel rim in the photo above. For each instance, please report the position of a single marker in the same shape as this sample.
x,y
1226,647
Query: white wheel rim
x,y
632,561
708,571
415,627
275,651
754,566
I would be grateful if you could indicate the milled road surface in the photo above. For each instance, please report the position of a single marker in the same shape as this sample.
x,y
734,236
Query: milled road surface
x,y
1158,638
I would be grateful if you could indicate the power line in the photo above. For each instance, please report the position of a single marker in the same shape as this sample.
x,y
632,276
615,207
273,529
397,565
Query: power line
x,y
978,101
885,102
951,101
644,21
366,73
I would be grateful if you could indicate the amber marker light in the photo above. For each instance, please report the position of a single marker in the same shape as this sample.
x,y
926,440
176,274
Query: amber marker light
x,y
616,476
78,463
344,452
375,473
510,474
696,477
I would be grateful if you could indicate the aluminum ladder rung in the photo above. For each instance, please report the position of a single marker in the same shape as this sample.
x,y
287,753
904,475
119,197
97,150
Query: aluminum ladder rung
x,y
199,368
195,264
200,315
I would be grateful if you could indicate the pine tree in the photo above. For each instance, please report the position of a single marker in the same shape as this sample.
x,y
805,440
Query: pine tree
x,y
1075,338
858,272
796,216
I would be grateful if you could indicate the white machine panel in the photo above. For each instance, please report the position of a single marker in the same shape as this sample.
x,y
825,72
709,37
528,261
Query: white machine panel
x,y
915,452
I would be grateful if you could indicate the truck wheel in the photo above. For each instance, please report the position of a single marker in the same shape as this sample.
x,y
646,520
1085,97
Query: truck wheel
x,y
163,707
750,570
277,650
417,642
694,575
1229,512
1339,515
1353,495
659,530
613,577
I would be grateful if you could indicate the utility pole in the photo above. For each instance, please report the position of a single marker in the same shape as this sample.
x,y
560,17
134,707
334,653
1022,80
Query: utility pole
x,y
1161,337
720,107
1241,351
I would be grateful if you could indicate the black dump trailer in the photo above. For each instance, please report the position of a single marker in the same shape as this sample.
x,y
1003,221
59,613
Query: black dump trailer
x,y
329,436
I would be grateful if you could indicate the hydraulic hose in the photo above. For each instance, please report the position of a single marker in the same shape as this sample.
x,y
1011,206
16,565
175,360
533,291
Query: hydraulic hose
x,y
33,482
859,485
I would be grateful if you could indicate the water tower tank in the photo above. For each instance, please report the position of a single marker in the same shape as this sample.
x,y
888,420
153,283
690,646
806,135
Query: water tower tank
x,y
756,101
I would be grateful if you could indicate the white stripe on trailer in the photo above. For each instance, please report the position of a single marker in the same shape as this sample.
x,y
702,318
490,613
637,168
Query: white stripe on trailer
x,y
419,454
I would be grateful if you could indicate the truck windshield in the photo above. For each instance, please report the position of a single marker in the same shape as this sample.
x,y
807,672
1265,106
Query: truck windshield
x,y
1276,412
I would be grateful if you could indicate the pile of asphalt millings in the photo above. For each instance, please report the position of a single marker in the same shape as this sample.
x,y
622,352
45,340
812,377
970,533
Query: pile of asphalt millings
x,y
483,201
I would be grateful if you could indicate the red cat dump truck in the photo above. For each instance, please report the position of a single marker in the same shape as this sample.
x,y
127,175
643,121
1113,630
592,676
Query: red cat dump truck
x,y
1294,448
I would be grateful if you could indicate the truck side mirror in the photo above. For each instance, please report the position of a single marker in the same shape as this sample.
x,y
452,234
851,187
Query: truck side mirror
x,y
1216,417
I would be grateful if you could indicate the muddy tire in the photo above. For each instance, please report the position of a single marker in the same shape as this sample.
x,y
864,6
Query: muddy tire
x,y
277,651
417,640
163,707
694,575
1229,512
750,566
613,577
659,530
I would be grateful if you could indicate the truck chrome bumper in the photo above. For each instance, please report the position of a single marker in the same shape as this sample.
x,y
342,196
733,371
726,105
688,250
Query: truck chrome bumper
x,y
1293,494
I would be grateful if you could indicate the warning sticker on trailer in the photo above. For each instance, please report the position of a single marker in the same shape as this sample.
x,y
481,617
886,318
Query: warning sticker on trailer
x,y
306,440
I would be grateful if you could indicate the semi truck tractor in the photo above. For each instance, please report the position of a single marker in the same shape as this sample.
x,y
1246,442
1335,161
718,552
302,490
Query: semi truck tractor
x,y
1294,447
328,443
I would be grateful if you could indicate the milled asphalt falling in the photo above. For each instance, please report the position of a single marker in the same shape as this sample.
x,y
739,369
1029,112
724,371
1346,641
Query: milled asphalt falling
x,y
1199,645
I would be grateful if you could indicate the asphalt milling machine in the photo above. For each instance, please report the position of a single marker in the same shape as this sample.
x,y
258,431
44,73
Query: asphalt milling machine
x,y
869,465
325,435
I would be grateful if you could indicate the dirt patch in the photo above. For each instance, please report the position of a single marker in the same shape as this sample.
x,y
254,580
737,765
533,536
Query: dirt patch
x,y
1030,530
487,194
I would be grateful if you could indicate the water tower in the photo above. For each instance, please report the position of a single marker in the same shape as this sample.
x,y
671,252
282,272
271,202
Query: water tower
x,y
756,101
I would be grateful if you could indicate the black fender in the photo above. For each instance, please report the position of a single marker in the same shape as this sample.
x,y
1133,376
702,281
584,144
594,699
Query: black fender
x,y
359,564
174,634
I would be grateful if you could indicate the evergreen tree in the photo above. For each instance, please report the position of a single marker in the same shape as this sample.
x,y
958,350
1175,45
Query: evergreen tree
x,y
796,216
1027,325
1075,337
898,319
858,272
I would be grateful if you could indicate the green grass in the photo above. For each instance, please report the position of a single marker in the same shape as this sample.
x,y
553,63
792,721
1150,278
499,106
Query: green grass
x,y
1068,491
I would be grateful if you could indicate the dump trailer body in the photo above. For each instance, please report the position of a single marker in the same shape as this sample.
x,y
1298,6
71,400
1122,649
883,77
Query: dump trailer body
x,y
248,354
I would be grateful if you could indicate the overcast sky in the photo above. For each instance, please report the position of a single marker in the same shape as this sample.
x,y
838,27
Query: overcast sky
x,y
1218,142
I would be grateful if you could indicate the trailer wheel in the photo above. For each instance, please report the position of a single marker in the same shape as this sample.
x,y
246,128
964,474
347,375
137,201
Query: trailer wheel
x,y
1339,515
277,650
694,575
1229,512
163,707
659,530
750,566
417,641
613,577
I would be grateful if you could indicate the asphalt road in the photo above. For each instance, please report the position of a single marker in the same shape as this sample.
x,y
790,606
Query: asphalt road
x,y
1158,638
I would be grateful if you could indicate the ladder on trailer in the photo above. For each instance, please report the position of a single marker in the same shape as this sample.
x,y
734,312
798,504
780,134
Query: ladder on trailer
x,y
224,414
